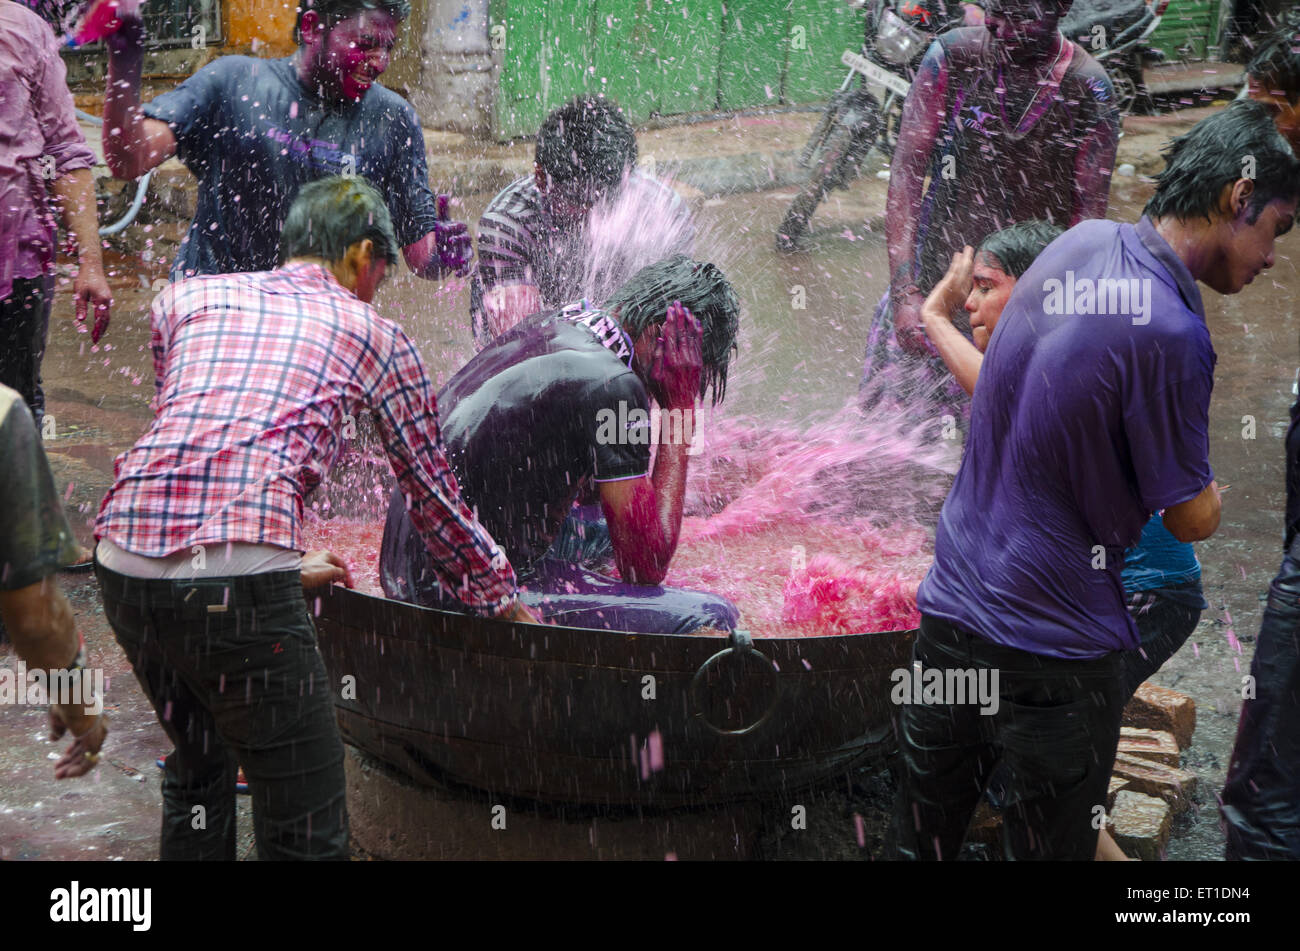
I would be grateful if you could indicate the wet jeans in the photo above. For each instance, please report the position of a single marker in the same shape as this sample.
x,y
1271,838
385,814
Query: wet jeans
x,y
584,538
574,596
24,323
1055,730
1260,805
232,670
1165,618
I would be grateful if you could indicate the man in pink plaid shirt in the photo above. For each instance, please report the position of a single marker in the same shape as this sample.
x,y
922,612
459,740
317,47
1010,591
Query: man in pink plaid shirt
x,y
199,550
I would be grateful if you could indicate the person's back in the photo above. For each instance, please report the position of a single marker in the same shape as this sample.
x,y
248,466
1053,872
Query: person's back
x,y
233,417
522,423
1061,427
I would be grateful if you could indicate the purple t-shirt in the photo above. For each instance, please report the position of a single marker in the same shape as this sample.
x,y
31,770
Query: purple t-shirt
x,y
1091,414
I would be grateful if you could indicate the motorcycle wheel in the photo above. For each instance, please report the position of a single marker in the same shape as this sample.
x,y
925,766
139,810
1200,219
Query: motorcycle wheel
x,y
1131,96
837,165
812,150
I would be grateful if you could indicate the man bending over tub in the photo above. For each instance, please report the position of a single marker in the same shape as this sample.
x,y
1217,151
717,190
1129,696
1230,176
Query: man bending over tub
x,y
564,398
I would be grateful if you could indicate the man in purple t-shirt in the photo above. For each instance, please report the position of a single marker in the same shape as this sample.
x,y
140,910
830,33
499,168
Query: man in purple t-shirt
x,y
1091,414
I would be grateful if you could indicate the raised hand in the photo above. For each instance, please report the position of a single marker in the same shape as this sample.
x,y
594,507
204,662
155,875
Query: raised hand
x,y
678,362
455,246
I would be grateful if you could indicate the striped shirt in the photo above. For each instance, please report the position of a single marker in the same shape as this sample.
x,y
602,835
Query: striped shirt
x,y
260,378
520,243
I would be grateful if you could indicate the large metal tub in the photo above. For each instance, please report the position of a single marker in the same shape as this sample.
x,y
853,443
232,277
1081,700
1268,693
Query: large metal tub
x,y
598,717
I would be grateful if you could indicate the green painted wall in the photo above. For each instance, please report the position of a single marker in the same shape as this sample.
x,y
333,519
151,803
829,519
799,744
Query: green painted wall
x,y
1191,23
666,57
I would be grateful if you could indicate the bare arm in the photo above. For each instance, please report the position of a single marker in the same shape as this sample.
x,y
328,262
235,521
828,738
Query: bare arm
x,y
41,625
962,357
1196,519
645,515
133,144
75,195
922,119
506,306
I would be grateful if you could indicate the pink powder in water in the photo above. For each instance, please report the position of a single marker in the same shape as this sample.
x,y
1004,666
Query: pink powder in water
x,y
820,530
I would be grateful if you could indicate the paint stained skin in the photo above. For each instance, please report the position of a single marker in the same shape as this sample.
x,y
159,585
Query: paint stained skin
x,y
352,55
992,287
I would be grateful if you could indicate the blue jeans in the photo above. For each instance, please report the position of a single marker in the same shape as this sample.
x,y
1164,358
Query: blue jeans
x,y
1165,618
575,596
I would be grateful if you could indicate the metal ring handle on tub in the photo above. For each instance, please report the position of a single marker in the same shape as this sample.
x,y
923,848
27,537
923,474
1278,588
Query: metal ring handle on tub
x,y
742,645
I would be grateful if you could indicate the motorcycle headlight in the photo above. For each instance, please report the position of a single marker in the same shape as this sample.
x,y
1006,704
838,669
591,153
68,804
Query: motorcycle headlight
x,y
898,42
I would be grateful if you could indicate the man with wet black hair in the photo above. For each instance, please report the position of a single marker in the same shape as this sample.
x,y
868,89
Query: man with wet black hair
x,y
561,400
534,239
1273,79
254,131
1091,413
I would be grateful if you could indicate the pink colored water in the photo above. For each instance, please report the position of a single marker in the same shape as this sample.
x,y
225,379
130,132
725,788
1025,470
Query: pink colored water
x,y
811,531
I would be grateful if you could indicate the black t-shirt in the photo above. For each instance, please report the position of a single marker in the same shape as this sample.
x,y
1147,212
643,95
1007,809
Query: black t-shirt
x,y
253,135
35,540
546,406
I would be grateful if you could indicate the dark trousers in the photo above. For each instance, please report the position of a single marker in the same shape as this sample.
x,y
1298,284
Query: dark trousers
x,y
232,670
1260,805
24,322
1055,730
1165,618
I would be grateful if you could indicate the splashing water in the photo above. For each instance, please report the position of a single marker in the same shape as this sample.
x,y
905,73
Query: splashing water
x,y
812,532
642,225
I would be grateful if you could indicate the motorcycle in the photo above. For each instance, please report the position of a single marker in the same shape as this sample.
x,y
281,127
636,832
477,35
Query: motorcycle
x,y
1115,32
856,121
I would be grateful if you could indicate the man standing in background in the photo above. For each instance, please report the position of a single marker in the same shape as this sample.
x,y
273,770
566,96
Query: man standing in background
x,y
43,155
254,131
535,240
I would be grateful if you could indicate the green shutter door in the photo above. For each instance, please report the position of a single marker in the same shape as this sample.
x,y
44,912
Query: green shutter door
x,y
545,61
1190,23
690,48
753,53
825,29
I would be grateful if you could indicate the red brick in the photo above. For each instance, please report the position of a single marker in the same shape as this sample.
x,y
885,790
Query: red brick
x,y
1149,744
1140,825
1175,786
1159,708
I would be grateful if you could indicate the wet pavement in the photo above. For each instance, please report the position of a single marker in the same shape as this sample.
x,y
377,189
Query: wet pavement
x,y
796,365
